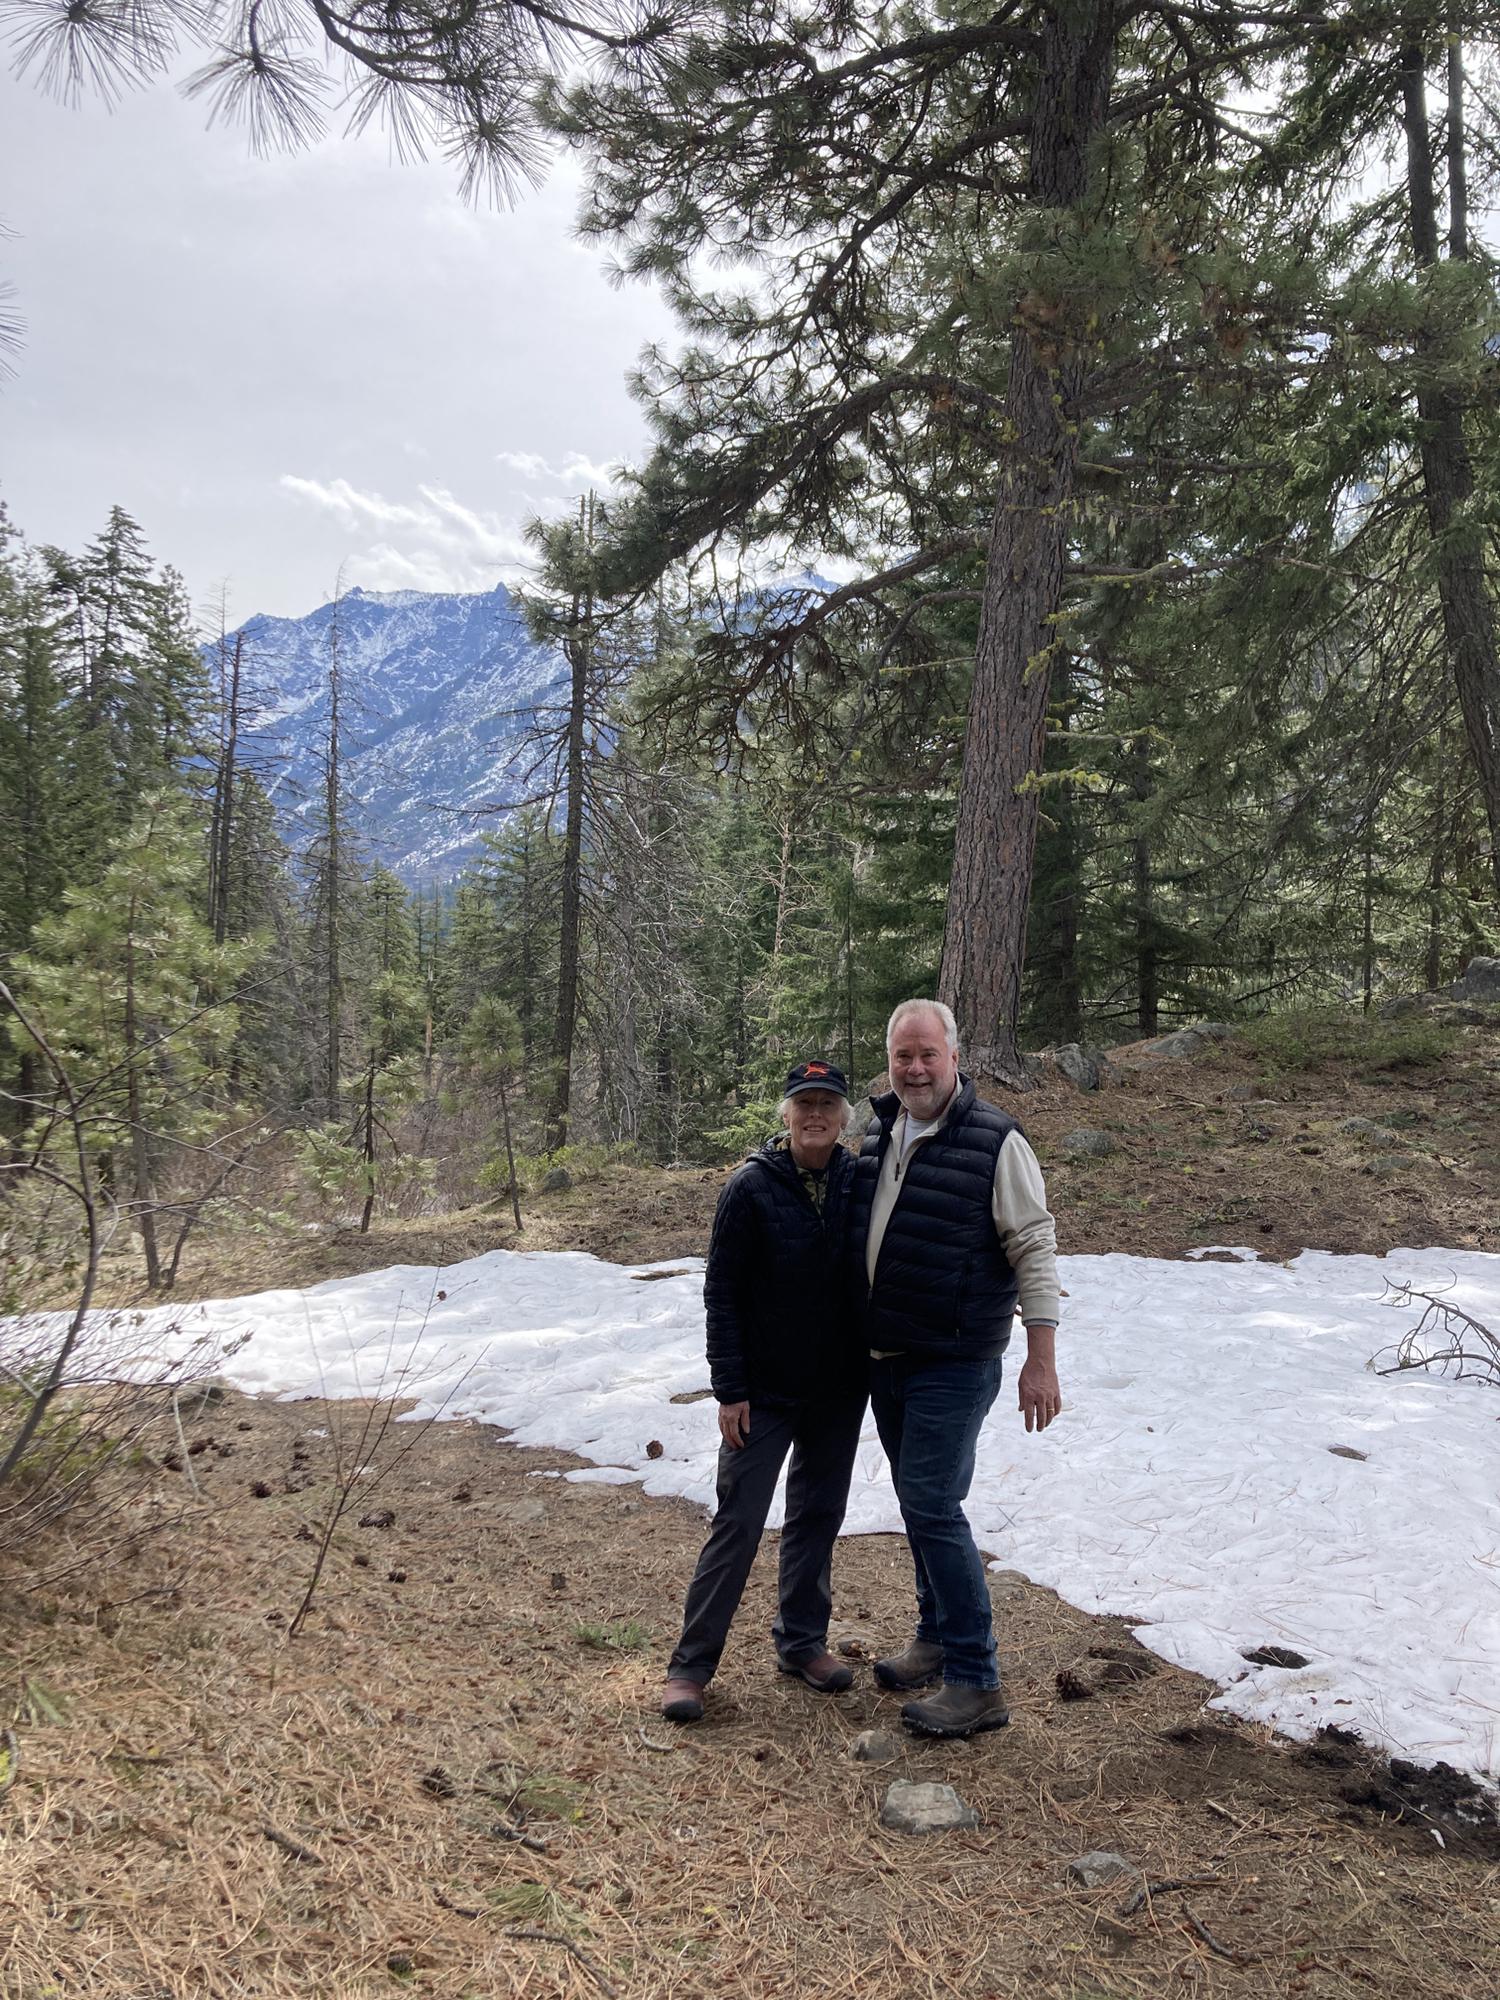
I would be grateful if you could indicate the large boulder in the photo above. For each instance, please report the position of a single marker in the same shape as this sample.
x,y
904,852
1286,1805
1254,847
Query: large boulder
x,y
1180,1046
1480,982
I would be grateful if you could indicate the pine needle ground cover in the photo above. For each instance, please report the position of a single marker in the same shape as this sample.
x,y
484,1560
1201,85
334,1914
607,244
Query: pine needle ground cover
x,y
445,1786
453,1782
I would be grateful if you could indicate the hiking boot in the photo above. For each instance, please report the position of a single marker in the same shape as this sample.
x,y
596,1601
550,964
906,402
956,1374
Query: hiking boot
x,y
682,1701
918,1667
957,1711
822,1671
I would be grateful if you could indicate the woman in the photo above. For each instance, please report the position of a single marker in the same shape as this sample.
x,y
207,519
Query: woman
x,y
789,1376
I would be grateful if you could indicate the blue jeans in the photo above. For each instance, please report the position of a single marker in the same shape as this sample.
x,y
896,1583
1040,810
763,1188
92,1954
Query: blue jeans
x,y
928,1414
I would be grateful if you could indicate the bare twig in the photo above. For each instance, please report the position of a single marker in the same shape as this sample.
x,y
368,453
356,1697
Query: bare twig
x,y
520,1836
182,1447
652,1744
551,1937
1445,1337
1147,1890
289,1846
1215,1945
459,1909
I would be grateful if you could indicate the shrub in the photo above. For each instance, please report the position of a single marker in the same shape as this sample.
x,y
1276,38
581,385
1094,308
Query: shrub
x,y
1328,1037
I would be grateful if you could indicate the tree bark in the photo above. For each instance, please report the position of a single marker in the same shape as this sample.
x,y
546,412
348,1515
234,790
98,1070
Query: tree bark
x,y
985,934
578,652
1447,468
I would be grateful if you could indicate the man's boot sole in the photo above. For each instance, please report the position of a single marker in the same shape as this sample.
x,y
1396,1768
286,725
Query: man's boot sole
x,y
996,1721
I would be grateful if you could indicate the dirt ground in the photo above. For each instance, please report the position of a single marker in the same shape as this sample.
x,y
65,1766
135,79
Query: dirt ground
x,y
452,1780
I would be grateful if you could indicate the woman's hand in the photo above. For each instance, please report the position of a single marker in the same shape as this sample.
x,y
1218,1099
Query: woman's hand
x,y
734,1424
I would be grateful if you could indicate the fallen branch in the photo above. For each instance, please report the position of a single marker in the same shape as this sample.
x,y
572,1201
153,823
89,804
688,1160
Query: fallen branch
x,y
289,1846
459,1909
1215,1945
1147,1890
520,1837
652,1744
10,1759
552,1937
1445,1337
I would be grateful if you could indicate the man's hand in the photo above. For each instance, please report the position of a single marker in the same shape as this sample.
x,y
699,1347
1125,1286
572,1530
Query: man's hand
x,y
734,1424
1040,1394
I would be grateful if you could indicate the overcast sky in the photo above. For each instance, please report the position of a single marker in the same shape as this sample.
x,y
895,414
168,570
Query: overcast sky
x,y
281,365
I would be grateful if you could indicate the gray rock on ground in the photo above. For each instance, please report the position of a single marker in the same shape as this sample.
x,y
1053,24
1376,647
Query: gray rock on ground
x,y
1366,1128
1085,1068
874,1746
1098,1866
918,1808
1480,981
1088,1144
558,1181
1183,1041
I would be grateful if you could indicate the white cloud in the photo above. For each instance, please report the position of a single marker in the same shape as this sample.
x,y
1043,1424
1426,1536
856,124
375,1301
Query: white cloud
x,y
577,469
529,464
434,543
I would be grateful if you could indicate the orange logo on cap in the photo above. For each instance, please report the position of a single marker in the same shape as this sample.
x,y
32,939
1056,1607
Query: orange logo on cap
x,y
816,1069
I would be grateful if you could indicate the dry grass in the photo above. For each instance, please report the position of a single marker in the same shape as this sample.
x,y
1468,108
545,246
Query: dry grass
x,y
203,1806
168,1729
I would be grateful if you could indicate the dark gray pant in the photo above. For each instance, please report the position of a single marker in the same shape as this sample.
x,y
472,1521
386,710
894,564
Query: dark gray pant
x,y
822,1438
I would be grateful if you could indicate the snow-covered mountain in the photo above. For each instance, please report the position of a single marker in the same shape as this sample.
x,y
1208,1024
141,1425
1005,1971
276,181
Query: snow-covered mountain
x,y
439,690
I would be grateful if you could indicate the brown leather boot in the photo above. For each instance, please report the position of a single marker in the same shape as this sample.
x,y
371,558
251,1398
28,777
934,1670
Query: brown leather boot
x,y
918,1667
957,1711
682,1701
822,1671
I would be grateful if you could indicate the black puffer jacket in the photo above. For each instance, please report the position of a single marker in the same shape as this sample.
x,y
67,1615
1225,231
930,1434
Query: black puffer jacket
x,y
780,1327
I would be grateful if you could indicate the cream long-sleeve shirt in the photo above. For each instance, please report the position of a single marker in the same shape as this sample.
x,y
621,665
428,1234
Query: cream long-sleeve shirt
x,y
1018,1203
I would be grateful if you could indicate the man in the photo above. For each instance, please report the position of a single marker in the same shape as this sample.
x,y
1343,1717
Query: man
x,y
790,1376
950,1229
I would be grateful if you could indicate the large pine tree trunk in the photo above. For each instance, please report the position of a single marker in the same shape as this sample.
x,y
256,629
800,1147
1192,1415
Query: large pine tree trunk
x,y
984,941
1447,468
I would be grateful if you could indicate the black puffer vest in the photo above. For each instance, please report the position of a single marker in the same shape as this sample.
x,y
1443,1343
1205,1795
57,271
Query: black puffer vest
x,y
943,1284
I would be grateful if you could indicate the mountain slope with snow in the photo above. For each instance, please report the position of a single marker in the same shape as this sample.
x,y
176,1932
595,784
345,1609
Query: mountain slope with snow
x,y
438,692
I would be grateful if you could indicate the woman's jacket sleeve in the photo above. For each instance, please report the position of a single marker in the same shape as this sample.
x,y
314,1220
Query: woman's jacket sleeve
x,y
730,1249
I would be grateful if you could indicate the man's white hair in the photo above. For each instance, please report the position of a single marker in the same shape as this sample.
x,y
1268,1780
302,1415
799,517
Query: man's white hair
x,y
909,1007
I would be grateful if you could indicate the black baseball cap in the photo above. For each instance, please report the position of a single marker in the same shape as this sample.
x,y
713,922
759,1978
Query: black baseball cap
x,y
816,1076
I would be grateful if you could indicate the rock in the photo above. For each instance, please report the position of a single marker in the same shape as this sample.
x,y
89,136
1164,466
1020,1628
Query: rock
x,y
1402,1006
1098,1866
1480,981
912,1808
523,1513
1087,1144
383,1517
1385,1166
1465,1014
1182,1042
874,1746
1085,1068
557,1181
1366,1128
